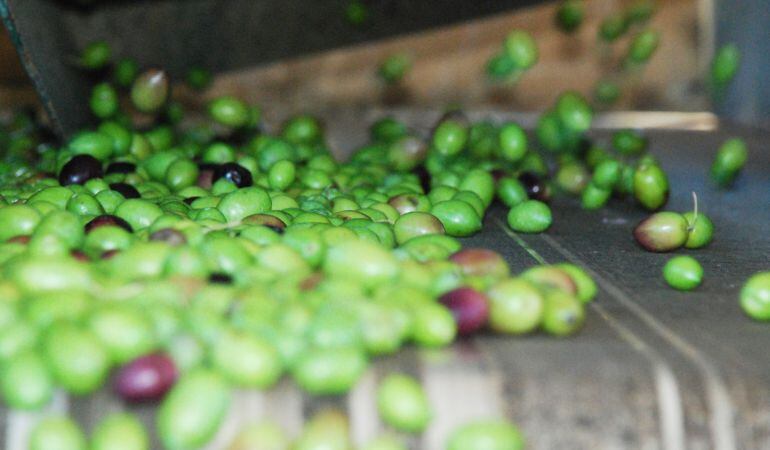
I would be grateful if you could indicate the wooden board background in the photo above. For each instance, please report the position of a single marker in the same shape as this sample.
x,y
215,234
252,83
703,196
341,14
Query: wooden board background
x,y
449,67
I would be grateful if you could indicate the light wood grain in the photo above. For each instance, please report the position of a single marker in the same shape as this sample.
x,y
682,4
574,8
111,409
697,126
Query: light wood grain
x,y
449,67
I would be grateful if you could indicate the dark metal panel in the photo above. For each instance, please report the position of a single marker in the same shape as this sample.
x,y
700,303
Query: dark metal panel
x,y
46,51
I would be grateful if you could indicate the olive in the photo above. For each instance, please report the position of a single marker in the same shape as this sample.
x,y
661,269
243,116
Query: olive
x,y
125,189
107,220
235,173
536,188
146,378
80,169
220,278
121,167
266,220
169,235
469,307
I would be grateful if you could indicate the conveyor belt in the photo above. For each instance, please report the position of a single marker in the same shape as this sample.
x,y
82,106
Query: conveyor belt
x,y
652,368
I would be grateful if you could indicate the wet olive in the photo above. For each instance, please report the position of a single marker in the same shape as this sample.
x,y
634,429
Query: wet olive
x,y
234,173
80,169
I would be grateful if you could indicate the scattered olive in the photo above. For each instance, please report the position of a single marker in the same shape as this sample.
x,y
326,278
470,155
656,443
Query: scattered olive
x,y
662,232
683,272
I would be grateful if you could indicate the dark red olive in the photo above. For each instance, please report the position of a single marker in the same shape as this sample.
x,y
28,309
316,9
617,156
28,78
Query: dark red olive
x,y
110,253
80,256
20,239
220,278
206,175
146,378
235,173
121,167
80,169
107,220
125,189
480,262
536,187
469,307
170,236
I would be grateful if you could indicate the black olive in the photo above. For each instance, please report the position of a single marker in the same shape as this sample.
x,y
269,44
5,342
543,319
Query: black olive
x,y
424,176
220,278
235,173
125,189
121,167
207,166
107,220
80,169
536,188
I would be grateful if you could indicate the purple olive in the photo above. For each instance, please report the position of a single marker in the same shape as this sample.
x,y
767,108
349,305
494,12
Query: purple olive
x,y
206,175
107,220
235,173
125,189
146,378
480,262
469,307
80,169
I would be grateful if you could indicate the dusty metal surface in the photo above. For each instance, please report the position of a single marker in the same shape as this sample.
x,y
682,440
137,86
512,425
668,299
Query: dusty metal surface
x,y
653,368
216,34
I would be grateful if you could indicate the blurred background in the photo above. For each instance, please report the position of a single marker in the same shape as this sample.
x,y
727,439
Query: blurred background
x,y
448,65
